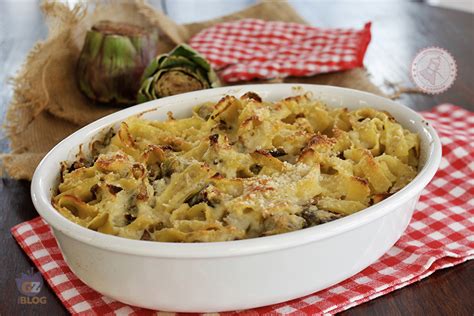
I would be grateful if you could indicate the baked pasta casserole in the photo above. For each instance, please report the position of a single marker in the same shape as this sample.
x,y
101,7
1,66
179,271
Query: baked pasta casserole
x,y
239,168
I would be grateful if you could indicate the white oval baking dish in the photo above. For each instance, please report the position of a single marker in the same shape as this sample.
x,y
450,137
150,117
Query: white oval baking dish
x,y
232,275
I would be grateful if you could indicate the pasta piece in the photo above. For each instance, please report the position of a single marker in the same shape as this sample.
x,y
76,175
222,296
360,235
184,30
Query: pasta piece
x,y
74,209
371,170
182,185
343,207
269,164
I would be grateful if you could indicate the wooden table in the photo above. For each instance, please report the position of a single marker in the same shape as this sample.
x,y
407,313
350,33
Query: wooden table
x,y
400,29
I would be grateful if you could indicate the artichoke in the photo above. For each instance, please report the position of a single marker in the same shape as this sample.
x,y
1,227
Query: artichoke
x,y
181,70
112,61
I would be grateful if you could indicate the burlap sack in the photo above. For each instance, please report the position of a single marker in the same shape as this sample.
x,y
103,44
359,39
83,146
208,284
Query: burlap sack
x,y
47,105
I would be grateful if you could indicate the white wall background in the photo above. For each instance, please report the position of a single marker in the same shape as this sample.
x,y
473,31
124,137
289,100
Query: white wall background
x,y
464,5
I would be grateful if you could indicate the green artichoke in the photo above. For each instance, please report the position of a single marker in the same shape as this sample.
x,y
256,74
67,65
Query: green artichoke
x,y
112,61
181,70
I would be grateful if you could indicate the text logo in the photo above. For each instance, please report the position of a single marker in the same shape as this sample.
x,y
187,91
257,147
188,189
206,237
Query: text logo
x,y
29,285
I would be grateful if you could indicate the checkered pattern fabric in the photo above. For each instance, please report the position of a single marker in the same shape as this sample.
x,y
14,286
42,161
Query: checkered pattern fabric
x,y
440,235
256,49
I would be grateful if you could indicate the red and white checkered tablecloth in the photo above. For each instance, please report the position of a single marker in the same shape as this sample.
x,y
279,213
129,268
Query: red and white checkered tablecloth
x,y
440,235
255,49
